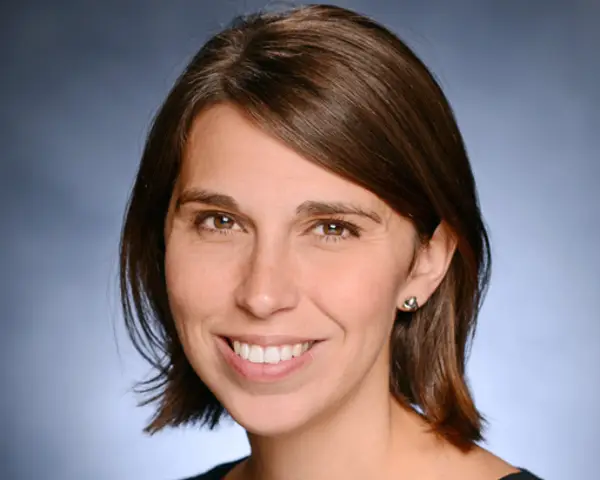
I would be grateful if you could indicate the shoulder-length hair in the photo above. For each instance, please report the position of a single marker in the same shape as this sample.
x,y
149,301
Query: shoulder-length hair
x,y
350,96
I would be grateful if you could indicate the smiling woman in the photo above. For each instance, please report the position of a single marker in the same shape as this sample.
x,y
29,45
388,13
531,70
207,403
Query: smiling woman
x,y
303,250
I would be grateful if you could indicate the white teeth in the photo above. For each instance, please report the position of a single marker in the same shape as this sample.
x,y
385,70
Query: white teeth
x,y
286,352
244,351
257,354
297,349
270,354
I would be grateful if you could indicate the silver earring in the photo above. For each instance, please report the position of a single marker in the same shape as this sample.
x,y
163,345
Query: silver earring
x,y
411,304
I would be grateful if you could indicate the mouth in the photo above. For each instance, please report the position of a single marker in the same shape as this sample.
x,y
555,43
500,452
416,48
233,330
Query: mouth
x,y
268,359
269,354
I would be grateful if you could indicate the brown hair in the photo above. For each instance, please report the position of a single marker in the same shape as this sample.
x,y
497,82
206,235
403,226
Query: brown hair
x,y
347,94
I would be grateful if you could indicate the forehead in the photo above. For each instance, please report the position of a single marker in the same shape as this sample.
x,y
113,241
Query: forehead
x,y
226,152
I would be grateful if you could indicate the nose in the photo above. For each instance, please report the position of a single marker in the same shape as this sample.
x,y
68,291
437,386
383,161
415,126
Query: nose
x,y
267,284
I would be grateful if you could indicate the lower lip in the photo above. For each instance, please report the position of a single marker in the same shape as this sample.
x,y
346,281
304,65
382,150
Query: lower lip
x,y
264,372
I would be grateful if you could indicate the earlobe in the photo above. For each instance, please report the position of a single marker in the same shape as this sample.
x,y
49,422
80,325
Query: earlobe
x,y
411,304
430,266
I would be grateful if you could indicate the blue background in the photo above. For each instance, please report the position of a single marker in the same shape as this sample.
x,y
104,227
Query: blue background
x,y
80,82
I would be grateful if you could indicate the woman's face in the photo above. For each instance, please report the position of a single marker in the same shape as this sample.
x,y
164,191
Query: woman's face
x,y
267,255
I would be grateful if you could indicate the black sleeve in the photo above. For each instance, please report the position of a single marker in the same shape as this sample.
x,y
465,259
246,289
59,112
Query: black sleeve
x,y
522,475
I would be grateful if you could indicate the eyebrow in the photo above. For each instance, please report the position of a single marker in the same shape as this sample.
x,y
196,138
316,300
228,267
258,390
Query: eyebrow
x,y
206,197
312,208
306,209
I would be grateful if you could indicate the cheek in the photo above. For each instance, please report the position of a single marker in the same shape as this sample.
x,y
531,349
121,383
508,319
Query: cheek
x,y
199,282
358,287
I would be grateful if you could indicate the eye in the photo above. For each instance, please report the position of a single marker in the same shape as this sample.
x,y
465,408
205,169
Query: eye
x,y
331,229
218,222
336,230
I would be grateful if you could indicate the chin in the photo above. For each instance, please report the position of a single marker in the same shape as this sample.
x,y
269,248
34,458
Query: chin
x,y
272,415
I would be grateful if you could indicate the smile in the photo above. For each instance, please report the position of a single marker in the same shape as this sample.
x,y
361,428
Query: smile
x,y
266,363
271,354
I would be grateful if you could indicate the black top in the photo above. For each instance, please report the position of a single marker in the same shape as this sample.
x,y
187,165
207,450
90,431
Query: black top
x,y
220,471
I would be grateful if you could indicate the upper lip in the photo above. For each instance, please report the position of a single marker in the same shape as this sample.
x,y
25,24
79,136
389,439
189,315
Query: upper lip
x,y
267,340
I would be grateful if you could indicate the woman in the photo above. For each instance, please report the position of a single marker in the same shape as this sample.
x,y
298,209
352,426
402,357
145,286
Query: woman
x,y
304,251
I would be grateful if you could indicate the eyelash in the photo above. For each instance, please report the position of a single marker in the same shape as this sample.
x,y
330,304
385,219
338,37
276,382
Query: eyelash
x,y
354,231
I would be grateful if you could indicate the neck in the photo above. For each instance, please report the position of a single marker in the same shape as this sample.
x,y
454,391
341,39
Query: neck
x,y
366,437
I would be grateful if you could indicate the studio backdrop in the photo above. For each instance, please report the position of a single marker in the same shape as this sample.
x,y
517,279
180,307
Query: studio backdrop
x,y
80,83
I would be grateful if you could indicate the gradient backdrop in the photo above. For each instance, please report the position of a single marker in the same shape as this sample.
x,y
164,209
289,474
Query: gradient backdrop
x,y
80,82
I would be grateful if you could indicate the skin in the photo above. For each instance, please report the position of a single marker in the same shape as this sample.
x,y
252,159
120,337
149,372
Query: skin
x,y
268,266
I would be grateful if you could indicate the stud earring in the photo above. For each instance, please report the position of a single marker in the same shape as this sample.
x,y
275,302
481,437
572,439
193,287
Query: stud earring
x,y
411,304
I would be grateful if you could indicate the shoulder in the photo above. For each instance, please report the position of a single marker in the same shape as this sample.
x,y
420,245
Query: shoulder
x,y
216,473
480,463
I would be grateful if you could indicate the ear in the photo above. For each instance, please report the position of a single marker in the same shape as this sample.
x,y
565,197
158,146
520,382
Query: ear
x,y
431,263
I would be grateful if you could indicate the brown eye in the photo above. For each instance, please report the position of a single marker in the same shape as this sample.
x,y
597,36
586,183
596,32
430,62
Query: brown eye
x,y
333,229
216,222
223,222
